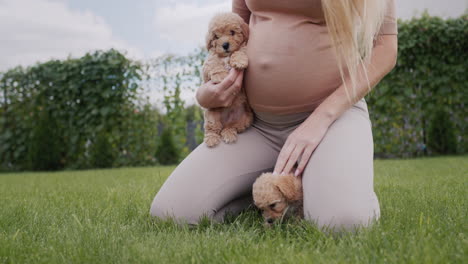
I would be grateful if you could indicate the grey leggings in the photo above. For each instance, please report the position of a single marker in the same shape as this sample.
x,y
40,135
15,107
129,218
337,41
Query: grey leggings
x,y
337,182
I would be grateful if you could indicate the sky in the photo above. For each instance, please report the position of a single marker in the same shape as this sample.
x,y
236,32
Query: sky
x,y
38,30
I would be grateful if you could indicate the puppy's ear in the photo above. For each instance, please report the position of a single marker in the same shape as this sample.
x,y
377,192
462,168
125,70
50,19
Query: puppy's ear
x,y
290,186
208,39
245,31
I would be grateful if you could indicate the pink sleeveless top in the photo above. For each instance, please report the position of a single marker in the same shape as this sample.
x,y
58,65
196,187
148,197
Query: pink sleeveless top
x,y
292,66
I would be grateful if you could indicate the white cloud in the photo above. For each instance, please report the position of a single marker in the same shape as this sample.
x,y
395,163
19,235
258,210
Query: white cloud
x,y
185,24
38,30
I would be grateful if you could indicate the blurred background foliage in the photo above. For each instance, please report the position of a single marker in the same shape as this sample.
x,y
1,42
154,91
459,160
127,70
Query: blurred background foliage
x,y
94,111
429,80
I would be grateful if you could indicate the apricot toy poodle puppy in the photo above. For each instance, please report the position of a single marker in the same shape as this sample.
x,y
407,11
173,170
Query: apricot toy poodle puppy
x,y
278,196
226,43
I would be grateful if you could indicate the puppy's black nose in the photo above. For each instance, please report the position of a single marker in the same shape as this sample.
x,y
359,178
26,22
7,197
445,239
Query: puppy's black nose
x,y
226,45
270,220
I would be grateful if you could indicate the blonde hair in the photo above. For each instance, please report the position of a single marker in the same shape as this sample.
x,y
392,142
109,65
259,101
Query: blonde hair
x,y
353,25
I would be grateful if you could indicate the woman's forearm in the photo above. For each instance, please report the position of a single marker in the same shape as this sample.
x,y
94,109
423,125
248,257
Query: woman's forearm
x,y
383,60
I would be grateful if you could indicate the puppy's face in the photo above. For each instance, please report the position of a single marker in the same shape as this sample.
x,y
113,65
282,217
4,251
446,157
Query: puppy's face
x,y
273,207
227,33
273,194
226,40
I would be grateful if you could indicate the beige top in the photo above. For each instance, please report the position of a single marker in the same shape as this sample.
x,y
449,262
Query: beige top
x,y
292,66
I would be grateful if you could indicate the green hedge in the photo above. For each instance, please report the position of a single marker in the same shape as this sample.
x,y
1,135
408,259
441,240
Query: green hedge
x,y
71,103
431,76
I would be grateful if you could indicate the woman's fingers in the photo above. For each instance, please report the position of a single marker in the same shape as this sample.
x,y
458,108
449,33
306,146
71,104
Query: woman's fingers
x,y
283,158
211,95
304,160
229,94
229,79
237,85
293,158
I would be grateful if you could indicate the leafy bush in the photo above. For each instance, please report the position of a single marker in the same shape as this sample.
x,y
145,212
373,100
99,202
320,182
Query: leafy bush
x,y
430,72
194,121
102,154
172,76
167,153
45,148
139,137
97,92
441,135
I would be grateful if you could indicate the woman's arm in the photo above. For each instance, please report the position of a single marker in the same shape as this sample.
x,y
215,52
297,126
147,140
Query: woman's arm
x,y
239,7
383,60
303,141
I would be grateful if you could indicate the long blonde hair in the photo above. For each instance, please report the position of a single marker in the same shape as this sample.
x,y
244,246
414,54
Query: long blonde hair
x,y
353,26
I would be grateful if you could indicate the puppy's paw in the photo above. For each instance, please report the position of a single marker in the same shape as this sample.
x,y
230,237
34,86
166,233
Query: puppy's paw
x,y
243,127
218,77
211,140
239,61
229,135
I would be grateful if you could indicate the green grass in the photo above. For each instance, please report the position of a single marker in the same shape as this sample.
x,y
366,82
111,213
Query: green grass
x,y
102,216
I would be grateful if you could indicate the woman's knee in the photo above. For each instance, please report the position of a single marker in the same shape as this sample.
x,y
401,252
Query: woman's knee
x,y
342,221
342,214
179,211
185,218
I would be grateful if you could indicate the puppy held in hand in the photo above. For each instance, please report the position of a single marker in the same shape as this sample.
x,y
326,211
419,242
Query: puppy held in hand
x,y
226,43
278,196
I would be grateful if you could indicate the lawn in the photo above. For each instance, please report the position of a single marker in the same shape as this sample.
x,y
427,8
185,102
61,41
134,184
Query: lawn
x,y
102,216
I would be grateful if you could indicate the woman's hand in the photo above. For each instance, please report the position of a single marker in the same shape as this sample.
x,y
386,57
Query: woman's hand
x,y
211,95
301,143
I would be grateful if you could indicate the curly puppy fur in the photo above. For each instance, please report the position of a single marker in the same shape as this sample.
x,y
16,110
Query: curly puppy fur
x,y
226,43
278,196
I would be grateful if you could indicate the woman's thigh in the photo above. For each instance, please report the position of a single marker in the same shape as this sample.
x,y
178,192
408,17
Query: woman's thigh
x,y
338,179
210,178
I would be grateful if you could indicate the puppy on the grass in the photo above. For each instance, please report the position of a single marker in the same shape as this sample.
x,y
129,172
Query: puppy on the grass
x,y
226,43
278,196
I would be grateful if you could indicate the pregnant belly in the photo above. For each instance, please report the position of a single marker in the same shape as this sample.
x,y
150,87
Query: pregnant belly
x,y
290,73
274,81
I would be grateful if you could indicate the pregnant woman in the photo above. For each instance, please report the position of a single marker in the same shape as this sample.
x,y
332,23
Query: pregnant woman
x,y
311,64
